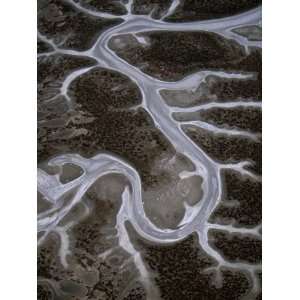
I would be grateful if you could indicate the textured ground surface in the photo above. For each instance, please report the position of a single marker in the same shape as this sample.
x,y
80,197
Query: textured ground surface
x,y
149,150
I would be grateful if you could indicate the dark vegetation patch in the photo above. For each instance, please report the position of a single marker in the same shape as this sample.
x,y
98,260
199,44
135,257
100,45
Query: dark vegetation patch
x,y
180,272
43,47
226,148
193,10
106,6
68,27
195,51
44,292
241,201
157,8
105,122
52,70
236,247
241,118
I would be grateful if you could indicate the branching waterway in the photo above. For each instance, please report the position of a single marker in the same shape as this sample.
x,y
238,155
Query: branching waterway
x,y
132,209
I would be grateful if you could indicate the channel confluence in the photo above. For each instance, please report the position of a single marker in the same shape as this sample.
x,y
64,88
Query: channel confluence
x,y
196,218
